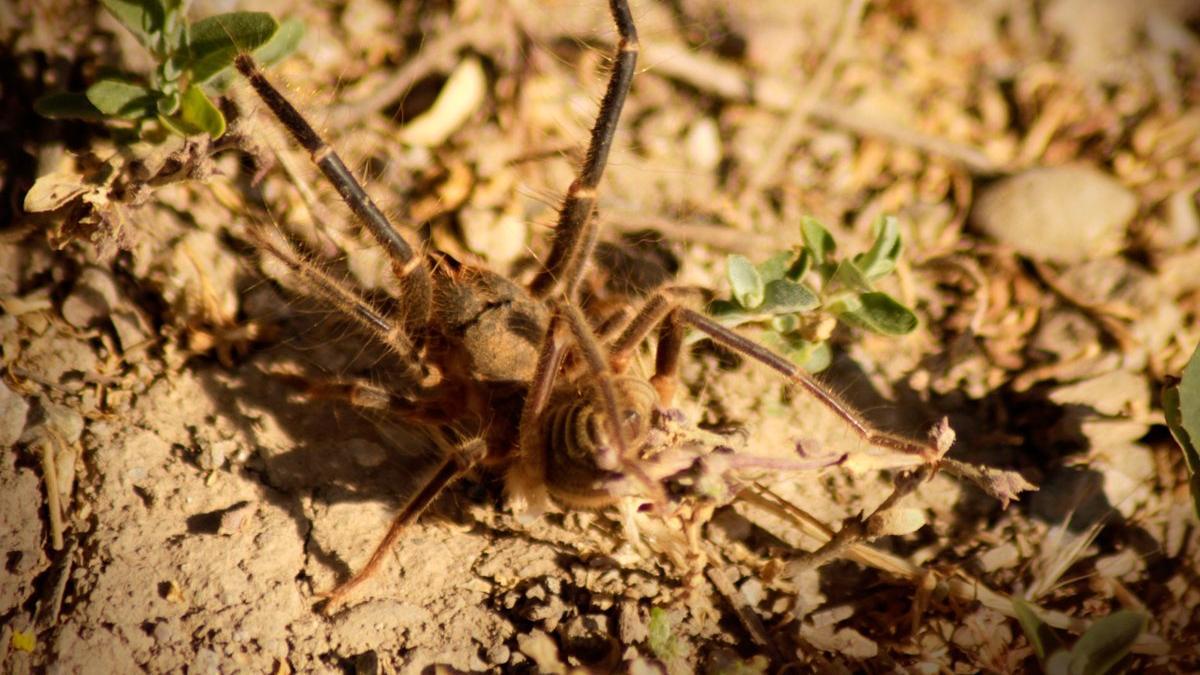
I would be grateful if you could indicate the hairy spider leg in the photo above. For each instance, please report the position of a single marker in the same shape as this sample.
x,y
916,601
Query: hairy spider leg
x,y
457,461
672,317
407,265
567,255
575,234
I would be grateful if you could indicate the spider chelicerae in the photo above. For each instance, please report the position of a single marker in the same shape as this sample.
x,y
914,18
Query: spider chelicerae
x,y
525,378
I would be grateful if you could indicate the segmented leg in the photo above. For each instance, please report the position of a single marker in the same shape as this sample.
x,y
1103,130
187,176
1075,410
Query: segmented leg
x,y
457,462
580,202
672,318
575,234
407,265
347,299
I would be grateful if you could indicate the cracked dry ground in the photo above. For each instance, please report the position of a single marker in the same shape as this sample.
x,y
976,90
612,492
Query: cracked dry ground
x,y
1043,159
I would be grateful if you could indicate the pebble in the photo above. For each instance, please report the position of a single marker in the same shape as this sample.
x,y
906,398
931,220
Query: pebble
x,y
499,655
65,422
752,591
92,299
1061,214
163,632
13,413
703,144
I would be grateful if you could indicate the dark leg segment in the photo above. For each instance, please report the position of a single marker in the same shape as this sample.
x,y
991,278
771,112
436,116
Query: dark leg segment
x,y
672,318
412,275
666,358
458,462
732,340
566,252
370,317
328,161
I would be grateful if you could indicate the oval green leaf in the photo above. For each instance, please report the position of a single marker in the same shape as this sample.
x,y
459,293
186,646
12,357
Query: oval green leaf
x,y
747,285
848,275
1181,404
775,266
197,112
1107,642
217,40
786,297
284,42
881,259
67,105
817,239
880,313
143,18
118,98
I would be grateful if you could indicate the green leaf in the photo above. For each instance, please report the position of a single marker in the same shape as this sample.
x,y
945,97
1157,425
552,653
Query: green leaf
x,y
803,264
817,239
1181,403
1107,642
169,104
784,323
811,356
67,105
198,115
217,40
661,638
144,18
881,259
785,297
747,285
1040,635
285,41
118,98
1059,663
775,266
1183,415
880,313
848,275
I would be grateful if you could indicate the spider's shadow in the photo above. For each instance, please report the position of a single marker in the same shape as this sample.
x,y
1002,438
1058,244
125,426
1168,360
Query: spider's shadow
x,y
324,448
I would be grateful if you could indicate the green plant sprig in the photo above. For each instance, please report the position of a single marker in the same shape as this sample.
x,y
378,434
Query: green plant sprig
x,y
777,295
1100,650
1181,405
193,61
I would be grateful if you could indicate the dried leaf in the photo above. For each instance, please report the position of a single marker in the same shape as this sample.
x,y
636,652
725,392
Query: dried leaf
x,y
461,96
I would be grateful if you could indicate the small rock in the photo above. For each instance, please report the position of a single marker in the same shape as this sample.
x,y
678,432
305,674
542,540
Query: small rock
x,y
1061,214
752,591
163,632
66,423
131,332
703,144
13,413
540,648
92,299
234,518
498,655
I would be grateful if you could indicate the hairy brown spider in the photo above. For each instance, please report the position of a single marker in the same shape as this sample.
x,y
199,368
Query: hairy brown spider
x,y
527,385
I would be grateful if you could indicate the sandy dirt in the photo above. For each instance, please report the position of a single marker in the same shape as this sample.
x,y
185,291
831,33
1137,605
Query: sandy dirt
x,y
170,500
